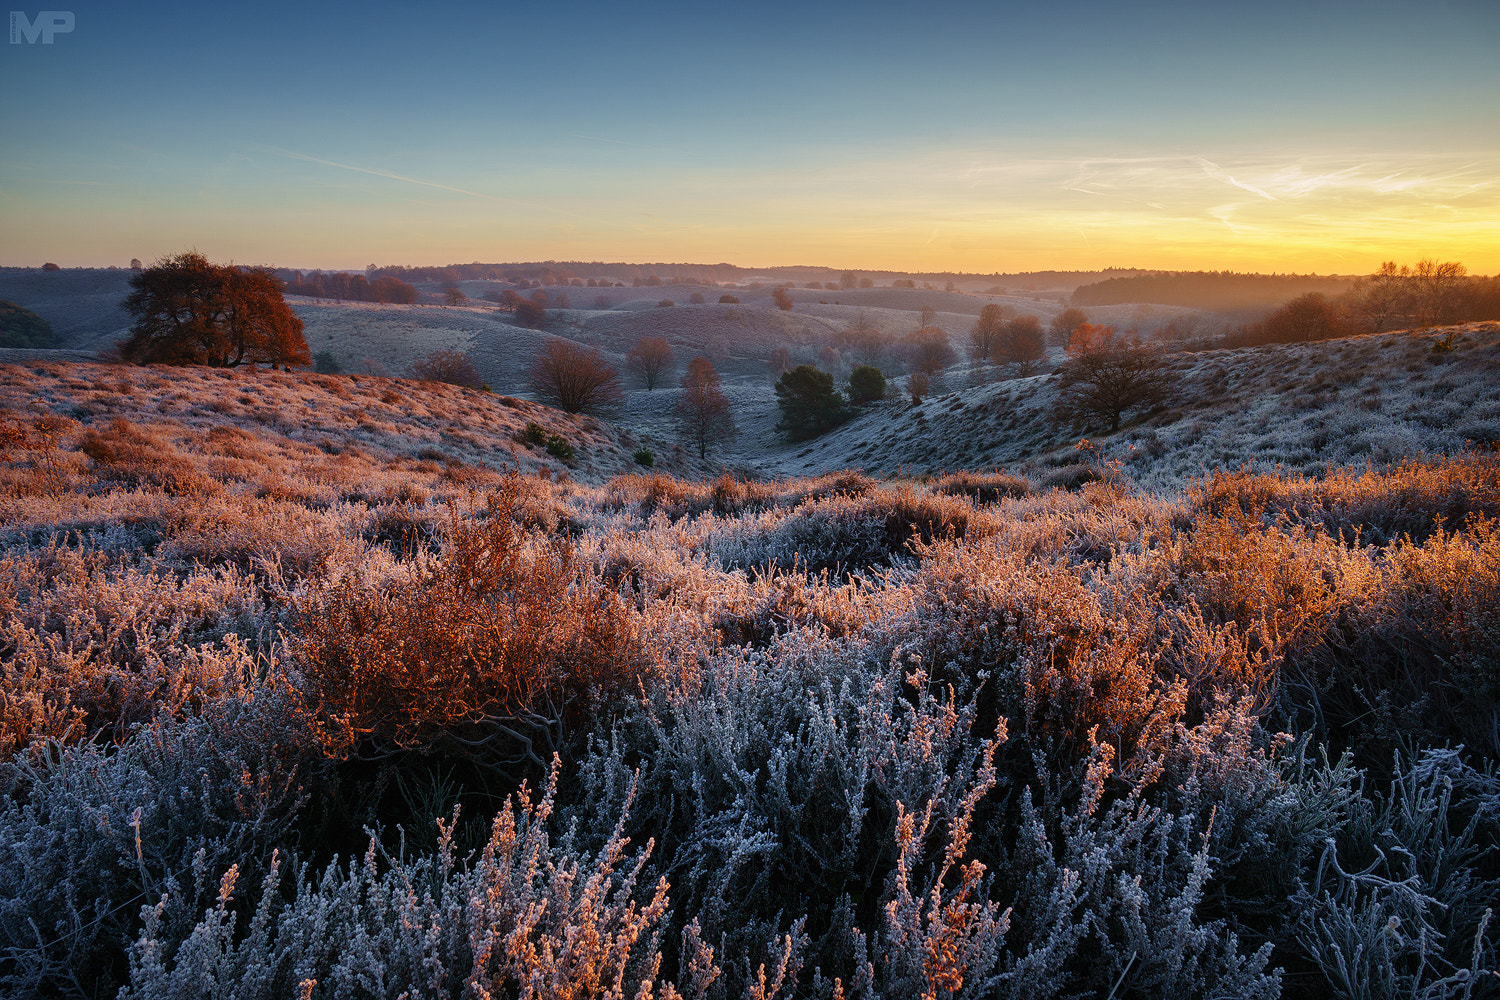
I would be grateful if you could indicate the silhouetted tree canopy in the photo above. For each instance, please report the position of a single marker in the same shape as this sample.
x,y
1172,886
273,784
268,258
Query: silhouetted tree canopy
x,y
20,327
1207,289
189,311
809,403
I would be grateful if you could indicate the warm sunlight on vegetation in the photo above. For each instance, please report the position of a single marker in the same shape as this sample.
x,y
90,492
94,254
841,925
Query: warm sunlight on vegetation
x,y
302,687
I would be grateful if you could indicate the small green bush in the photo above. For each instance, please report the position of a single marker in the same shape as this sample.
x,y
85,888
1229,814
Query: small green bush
x,y
644,457
534,434
558,447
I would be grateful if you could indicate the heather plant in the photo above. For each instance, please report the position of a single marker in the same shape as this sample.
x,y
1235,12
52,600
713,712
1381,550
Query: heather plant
x,y
91,836
531,916
841,736
502,636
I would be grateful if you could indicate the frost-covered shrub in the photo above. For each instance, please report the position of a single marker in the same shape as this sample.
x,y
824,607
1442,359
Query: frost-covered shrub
x,y
983,487
1379,504
1397,904
94,641
844,533
89,836
502,631
1108,902
773,790
532,917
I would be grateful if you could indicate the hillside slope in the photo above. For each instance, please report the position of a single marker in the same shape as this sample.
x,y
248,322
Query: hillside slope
x,y
1300,407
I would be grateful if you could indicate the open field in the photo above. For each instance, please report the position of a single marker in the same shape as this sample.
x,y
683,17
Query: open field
x,y
333,686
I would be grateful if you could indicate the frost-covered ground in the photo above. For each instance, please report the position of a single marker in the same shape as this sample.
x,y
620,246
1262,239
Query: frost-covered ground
x,y
304,694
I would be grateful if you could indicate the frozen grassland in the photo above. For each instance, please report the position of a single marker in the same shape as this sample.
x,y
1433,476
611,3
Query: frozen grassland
x,y
307,694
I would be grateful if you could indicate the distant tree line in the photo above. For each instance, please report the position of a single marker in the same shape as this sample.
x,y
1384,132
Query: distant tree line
x,y
1396,297
1211,290
349,287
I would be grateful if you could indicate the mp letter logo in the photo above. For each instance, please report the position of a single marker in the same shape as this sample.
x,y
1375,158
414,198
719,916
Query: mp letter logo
x,y
47,25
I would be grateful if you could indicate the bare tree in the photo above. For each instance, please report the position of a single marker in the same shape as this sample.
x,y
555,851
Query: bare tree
x,y
1064,323
1384,297
780,362
703,413
782,297
1438,286
651,358
930,350
1021,343
575,378
1101,383
986,331
453,367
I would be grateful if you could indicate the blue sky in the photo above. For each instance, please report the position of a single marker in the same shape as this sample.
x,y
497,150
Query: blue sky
x,y
979,137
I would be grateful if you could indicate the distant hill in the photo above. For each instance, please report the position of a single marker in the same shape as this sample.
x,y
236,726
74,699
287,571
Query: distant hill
x,y
1215,291
1301,408
81,304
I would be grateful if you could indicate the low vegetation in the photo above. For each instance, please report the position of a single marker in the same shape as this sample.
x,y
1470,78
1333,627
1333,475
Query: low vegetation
x,y
290,718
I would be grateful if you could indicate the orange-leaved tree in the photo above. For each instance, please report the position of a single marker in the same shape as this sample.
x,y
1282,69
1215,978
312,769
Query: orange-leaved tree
x,y
189,311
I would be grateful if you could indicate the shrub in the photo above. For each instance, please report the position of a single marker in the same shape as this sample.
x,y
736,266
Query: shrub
x,y
534,433
781,297
643,456
575,378
324,363
501,634
96,835
528,916
558,447
728,300
452,367
532,315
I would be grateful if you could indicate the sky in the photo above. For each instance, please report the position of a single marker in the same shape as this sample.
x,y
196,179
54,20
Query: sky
x,y
949,136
